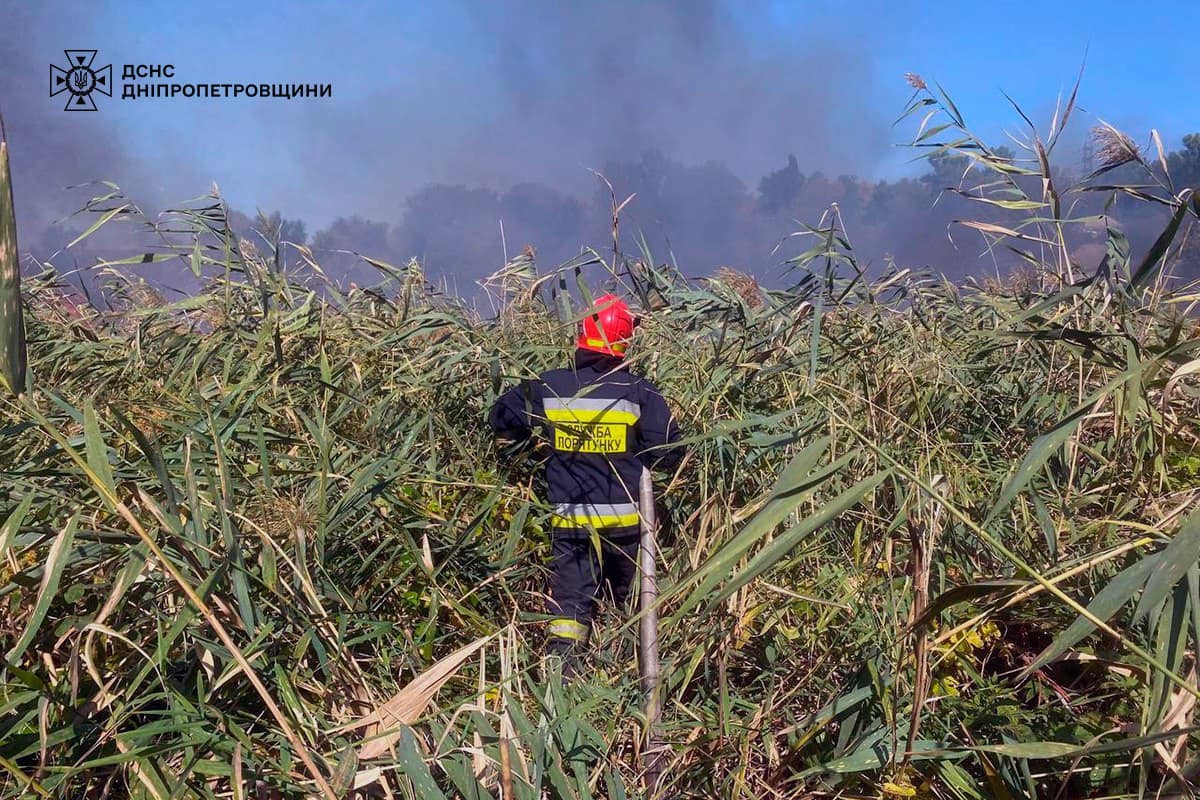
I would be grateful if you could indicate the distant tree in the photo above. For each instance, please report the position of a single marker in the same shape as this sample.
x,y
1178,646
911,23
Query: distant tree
x,y
1185,164
704,217
545,218
354,233
851,195
360,235
276,227
268,226
886,197
780,189
695,210
294,231
453,230
273,230
946,171
1185,171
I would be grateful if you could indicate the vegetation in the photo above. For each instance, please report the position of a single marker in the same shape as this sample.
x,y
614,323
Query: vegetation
x,y
930,539
702,216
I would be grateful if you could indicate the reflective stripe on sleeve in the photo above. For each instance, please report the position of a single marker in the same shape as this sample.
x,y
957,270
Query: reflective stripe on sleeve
x,y
567,628
597,515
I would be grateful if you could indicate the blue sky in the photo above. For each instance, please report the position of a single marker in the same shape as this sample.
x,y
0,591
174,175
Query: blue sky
x,y
494,93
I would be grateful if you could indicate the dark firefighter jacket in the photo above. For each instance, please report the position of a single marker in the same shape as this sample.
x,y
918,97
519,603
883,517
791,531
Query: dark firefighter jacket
x,y
604,424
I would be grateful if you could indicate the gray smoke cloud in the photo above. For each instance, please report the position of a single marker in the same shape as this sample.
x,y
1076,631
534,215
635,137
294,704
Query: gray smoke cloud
x,y
562,89
611,80
429,147
57,158
50,150
549,91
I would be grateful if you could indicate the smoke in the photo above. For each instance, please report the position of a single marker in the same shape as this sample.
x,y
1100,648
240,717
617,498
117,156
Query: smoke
x,y
50,150
59,159
677,103
611,80
476,128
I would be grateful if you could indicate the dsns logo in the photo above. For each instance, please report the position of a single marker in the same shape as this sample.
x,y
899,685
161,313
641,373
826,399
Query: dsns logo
x,y
80,80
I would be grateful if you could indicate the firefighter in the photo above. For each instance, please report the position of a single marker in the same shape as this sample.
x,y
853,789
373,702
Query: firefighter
x,y
603,424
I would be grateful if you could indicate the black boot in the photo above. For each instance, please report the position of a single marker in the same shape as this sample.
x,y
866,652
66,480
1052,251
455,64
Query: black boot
x,y
567,653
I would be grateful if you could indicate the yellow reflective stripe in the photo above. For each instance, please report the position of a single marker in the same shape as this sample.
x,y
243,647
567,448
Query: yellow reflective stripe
x,y
616,347
598,521
567,628
587,403
581,416
597,515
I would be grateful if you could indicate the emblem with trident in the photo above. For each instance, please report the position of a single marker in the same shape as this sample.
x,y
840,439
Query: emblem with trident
x,y
80,80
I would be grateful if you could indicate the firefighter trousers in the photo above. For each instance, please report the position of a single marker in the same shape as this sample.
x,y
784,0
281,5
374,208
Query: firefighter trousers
x,y
579,576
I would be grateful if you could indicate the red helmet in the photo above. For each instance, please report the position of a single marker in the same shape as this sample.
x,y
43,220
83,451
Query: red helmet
x,y
608,329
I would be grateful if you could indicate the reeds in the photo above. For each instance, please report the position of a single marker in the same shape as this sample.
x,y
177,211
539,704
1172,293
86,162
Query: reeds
x,y
267,523
12,324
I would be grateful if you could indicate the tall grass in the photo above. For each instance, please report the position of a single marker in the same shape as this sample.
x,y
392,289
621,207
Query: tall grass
x,y
939,539
12,324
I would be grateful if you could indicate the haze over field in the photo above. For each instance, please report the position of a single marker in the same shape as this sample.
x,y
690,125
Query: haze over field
x,y
731,122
